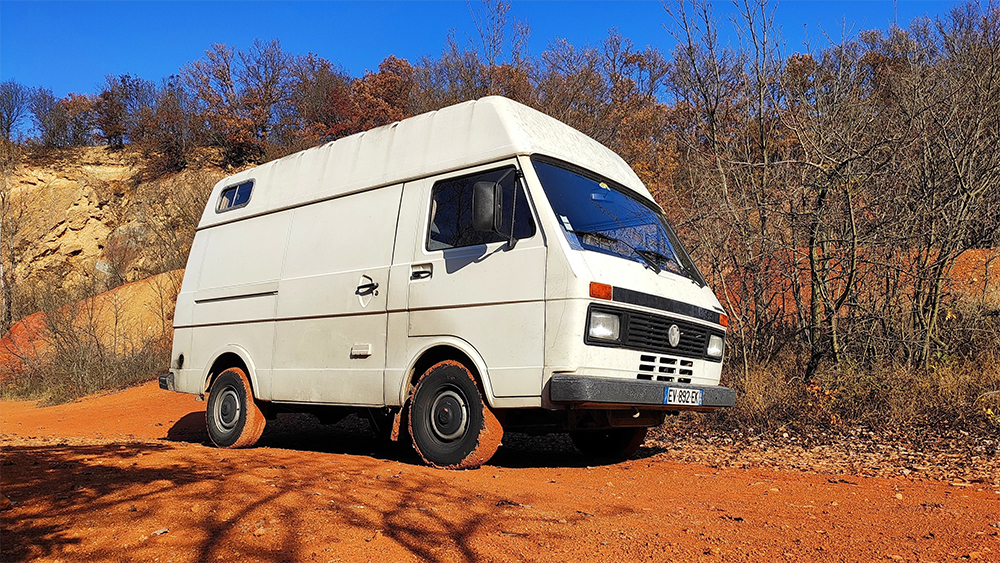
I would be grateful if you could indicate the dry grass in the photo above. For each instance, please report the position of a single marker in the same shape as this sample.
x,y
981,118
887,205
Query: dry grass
x,y
82,368
108,341
961,394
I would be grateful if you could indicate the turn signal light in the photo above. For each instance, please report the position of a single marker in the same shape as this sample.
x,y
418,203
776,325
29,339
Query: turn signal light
x,y
601,291
723,320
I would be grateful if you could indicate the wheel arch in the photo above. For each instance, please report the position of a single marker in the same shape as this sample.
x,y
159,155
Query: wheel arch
x,y
227,357
447,349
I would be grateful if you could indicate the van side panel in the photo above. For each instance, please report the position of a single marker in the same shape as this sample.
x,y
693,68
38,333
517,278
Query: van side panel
x,y
239,274
509,336
400,350
256,339
228,297
330,341
184,311
188,378
185,379
242,255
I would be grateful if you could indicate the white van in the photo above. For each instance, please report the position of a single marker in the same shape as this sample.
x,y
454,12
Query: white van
x,y
465,271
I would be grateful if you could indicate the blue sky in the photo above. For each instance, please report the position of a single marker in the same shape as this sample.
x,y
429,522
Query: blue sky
x,y
71,46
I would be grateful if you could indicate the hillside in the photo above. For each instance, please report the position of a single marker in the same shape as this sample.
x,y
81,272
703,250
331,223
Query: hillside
x,y
92,247
85,218
118,320
87,221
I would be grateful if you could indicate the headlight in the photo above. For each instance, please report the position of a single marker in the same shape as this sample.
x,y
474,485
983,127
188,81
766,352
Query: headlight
x,y
605,326
715,346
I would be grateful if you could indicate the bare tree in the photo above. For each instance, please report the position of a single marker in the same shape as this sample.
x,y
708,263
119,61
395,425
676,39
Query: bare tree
x,y
239,94
495,31
14,103
319,106
950,94
51,118
730,144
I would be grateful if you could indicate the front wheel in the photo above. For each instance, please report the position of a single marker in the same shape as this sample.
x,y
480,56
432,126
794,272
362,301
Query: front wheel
x,y
451,426
610,443
233,418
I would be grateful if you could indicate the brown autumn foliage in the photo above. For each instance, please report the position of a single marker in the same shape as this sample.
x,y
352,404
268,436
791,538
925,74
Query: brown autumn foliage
x,y
320,107
382,97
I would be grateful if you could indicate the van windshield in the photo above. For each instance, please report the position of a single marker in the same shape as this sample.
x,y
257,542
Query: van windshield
x,y
600,216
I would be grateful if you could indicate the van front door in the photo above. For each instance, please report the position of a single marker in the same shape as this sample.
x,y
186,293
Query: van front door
x,y
470,284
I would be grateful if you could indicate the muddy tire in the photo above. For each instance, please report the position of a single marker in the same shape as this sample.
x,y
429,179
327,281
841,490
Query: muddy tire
x,y
611,443
451,425
233,418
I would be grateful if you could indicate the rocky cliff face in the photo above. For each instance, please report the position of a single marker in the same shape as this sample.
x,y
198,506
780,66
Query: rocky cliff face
x,y
64,229
84,218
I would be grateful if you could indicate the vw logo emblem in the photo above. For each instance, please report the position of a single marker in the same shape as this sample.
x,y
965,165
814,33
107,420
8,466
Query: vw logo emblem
x,y
674,334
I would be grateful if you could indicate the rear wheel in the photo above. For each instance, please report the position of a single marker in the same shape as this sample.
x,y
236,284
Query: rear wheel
x,y
610,443
451,425
233,418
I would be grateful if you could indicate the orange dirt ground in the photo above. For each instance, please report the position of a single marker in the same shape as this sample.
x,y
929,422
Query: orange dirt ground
x,y
126,477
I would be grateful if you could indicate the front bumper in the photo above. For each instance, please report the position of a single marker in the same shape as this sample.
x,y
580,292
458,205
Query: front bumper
x,y
584,391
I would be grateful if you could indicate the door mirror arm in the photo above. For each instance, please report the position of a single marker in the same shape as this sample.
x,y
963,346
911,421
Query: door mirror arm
x,y
511,241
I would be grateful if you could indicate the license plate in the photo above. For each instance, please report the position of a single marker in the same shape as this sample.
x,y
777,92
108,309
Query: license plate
x,y
682,396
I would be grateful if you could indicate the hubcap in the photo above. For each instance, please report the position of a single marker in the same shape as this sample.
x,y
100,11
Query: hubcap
x,y
227,410
449,415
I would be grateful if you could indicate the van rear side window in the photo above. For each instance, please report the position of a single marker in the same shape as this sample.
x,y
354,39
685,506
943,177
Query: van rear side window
x,y
235,197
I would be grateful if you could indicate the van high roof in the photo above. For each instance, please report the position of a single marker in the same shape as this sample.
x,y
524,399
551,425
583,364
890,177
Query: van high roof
x,y
456,137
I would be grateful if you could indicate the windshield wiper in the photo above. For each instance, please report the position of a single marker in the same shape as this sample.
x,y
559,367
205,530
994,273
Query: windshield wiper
x,y
646,255
666,260
654,255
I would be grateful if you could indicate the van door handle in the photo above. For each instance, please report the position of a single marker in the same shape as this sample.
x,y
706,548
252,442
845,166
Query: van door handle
x,y
420,275
367,289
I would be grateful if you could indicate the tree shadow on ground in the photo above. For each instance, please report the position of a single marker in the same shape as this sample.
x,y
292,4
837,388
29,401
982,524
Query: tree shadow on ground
x,y
212,498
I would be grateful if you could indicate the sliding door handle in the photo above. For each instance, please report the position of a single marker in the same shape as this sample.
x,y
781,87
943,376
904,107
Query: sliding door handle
x,y
367,289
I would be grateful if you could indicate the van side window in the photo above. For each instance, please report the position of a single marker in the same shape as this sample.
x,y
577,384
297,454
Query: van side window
x,y
451,212
235,197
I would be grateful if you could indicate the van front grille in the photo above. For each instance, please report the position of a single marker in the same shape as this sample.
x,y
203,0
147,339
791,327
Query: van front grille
x,y
651,333
664,369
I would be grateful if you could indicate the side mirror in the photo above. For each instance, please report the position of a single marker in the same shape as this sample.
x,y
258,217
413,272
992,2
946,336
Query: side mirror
x,y
484,206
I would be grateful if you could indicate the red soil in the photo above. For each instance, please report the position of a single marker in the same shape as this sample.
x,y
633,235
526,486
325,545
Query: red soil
x,y
23,340
975,276
126,477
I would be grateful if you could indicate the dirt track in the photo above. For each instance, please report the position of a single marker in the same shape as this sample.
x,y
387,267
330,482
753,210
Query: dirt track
x,y
125,477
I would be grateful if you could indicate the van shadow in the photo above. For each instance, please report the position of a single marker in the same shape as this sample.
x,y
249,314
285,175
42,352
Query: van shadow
x,y
190,428
299,432
354,436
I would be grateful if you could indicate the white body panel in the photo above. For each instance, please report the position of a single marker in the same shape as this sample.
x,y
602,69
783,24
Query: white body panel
x,y
330,342
490,296
280,280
